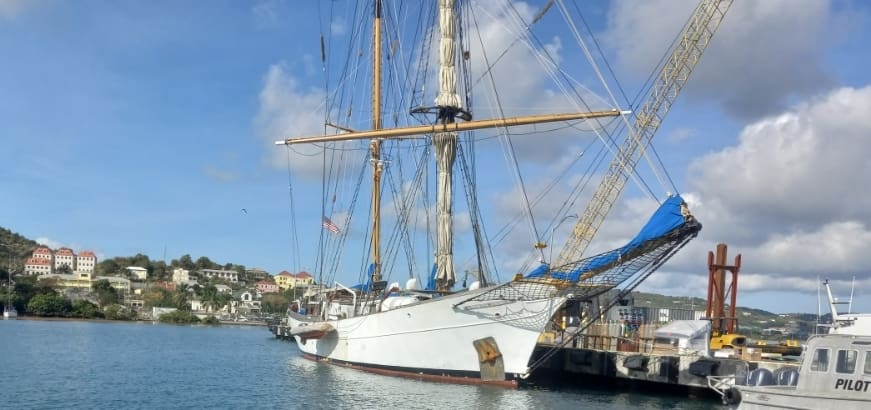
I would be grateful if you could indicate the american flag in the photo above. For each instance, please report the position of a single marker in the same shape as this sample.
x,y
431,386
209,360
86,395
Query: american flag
x,y
330,226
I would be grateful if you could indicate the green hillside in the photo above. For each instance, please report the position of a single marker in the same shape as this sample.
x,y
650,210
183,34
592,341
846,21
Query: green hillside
x,y
755,323
14,250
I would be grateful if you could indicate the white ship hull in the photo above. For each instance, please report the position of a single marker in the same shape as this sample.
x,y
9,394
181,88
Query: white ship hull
x,y
434,339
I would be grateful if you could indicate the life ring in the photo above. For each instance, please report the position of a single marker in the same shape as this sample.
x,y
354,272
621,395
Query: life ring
x,y
731,396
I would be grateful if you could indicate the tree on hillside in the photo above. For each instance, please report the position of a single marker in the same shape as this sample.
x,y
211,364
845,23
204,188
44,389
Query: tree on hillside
x,y
106,294
185,262
65,269
140,260
159,271
204,262
106,267
208,295
84,309
274,303
16,246
49,305
158,297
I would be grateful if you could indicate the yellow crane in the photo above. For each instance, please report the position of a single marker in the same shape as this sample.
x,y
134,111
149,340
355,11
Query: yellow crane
x,y
694,39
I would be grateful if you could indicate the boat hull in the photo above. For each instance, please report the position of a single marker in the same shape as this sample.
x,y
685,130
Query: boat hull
x,y
436,340
787,397
312,331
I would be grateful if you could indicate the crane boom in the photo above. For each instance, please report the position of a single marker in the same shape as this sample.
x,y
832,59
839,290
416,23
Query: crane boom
x,y
694,39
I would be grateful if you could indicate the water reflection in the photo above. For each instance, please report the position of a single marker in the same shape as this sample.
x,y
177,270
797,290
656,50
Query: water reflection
x,y
323,385
81,365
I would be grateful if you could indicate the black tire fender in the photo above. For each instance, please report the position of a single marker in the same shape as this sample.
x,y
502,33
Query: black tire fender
x,y
731,396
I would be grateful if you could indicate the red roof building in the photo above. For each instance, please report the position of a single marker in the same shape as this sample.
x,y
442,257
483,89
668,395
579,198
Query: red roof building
x,y
37,266
42,253
86,261
64,256
303,275
266,287
287,280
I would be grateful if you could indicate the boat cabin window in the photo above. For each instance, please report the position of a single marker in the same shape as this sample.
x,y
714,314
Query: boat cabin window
x,y
821,360
868,362
846,361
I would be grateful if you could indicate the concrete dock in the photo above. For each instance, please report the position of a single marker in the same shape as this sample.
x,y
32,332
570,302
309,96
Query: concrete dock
x,y
672,372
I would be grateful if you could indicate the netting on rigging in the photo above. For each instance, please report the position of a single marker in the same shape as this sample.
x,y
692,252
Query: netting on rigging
x,y
668,230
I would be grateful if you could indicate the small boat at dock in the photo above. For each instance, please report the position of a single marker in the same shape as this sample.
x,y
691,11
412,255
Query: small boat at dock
x,y
835,373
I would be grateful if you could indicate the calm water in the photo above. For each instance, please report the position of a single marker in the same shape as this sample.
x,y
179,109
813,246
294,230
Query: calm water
x,y
95,365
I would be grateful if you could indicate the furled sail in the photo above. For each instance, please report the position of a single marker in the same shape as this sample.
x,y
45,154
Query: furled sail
x,y
445,143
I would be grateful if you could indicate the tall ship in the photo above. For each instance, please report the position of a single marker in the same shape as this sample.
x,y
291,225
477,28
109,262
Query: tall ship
x,y
434,322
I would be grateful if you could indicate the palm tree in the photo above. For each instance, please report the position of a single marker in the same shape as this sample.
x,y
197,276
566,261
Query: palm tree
x,y
207,295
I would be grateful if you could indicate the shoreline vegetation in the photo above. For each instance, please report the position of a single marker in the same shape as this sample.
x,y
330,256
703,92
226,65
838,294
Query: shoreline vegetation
x,y
117,293
103,320
36,298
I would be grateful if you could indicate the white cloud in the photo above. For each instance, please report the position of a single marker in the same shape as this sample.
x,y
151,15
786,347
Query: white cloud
x,y
51,243
268,13
797,169
789,196
765,54
288,110
521,73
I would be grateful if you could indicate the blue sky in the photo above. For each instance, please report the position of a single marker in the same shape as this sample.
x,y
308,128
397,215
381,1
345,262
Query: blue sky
x,y
146,127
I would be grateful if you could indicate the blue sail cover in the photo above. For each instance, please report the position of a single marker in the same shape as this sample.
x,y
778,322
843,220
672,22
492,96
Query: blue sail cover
x,y
666,219
431,280
364,287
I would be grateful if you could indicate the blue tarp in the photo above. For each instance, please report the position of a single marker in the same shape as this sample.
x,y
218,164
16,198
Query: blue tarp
x,y
364,287
667,218
431,281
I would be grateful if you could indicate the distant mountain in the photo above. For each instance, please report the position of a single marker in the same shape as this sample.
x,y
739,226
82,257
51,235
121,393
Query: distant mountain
x,y
756,323
14,250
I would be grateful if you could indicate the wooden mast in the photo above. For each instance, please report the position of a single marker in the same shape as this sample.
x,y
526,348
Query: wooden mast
x,y
375,144
445,127
454,126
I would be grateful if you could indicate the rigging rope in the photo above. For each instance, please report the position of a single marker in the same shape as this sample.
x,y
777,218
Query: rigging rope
x,y
294,238
588,54
474,215
508,148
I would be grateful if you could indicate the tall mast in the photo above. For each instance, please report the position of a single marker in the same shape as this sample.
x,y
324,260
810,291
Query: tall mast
x,y
445,143
375,144
444,135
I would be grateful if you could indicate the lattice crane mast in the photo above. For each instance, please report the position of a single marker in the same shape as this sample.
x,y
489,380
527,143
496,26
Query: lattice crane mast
x,y
694,39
